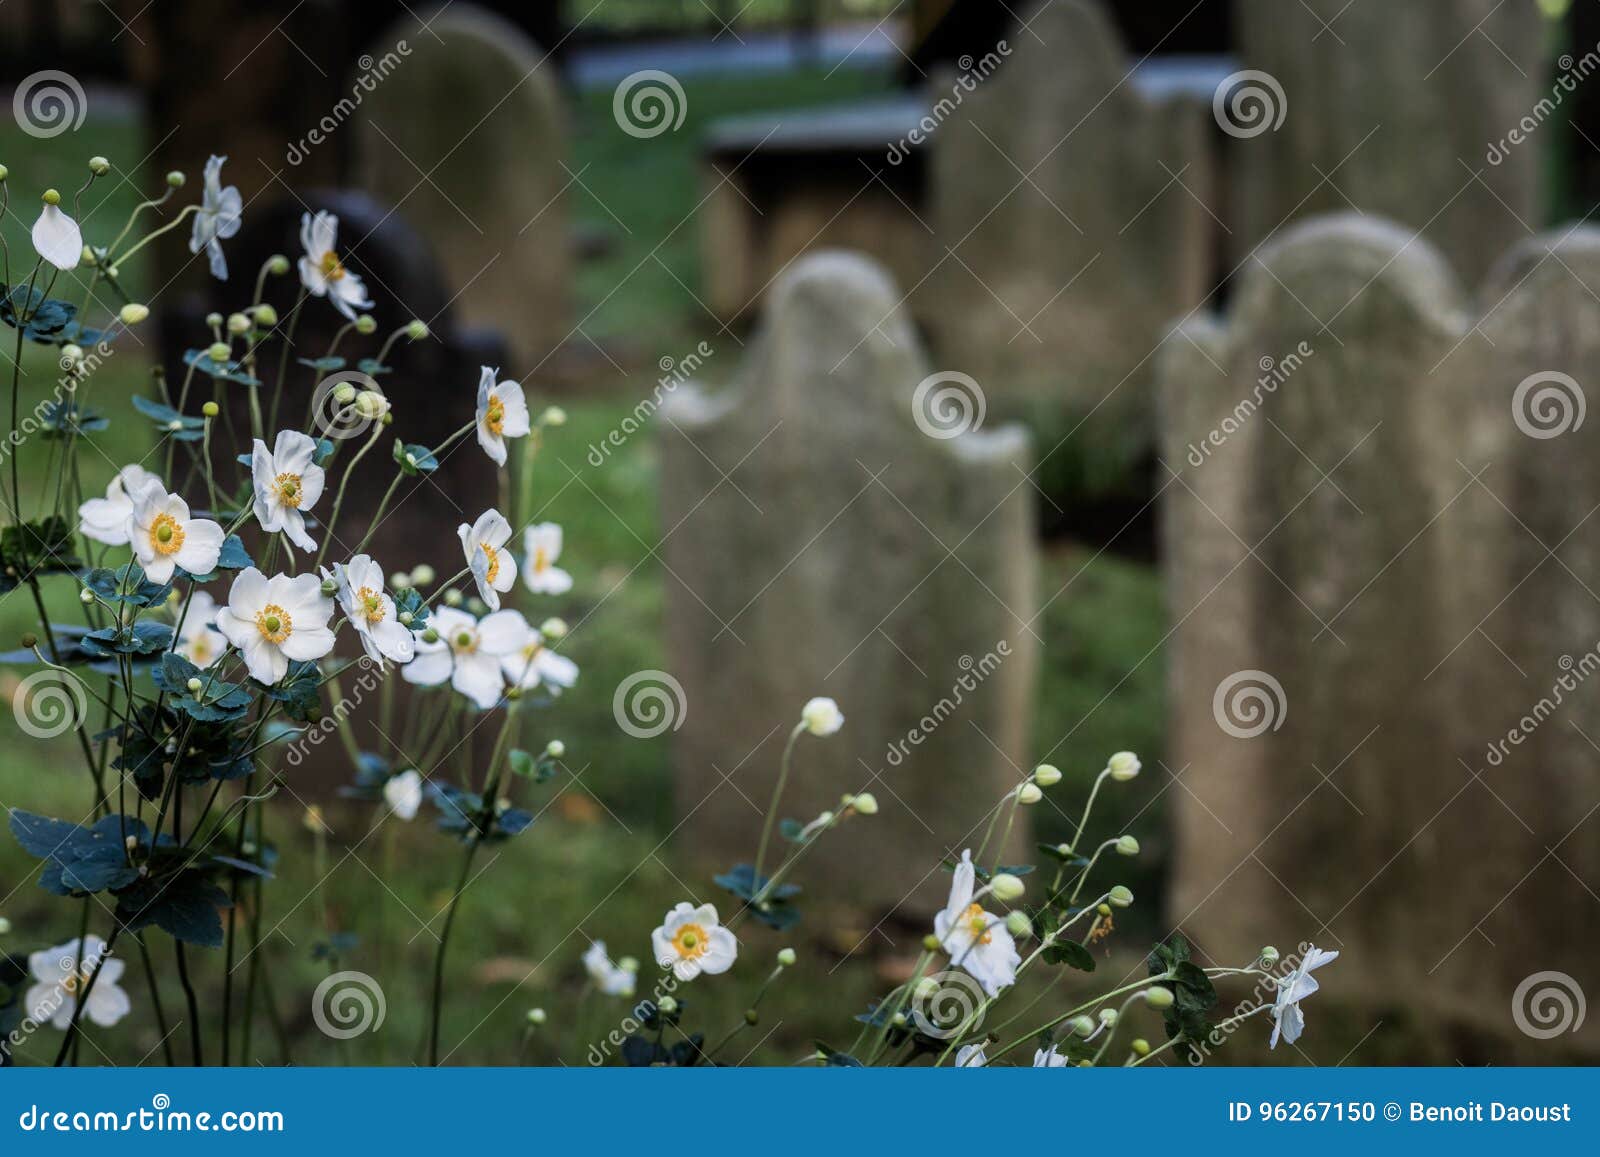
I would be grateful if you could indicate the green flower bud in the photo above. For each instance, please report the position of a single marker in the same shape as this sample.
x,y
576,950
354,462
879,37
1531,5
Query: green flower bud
x,y
930,942
423,575
1047,775
752,1017
86,596
786,957
1108,1017
400,580
1103,909
99,166
406,618
1029,794
553,628
1007,887
29,640
1158,997
133,313
238,324
1127,846
5,925
1140,1047
193,686
553,416
555,749
371,404
453,598
536,1016
51,197
266,316
4,173
1018,924
175,179
344,393
277,265
865,804
1082,1025
329,588
365,324
1123,766
1269,956
668,1005
213,320
211,409
1120,897
416,329
218,352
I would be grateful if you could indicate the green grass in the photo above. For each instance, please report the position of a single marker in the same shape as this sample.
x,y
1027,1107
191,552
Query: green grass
x,y
596,864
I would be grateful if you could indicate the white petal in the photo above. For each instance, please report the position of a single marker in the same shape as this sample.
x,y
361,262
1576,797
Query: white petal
x,y
58,238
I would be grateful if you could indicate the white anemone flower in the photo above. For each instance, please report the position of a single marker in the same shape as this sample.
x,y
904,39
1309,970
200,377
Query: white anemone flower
x,y
57,238
1049,1059
534,664
607,976
541,546
971,1057
287,483
106,519
502,413
976,941
164,537
691,941
217,219
372,612
467,653
273,620
199,641
494,568
403,794
1288,1020
321,271
61,976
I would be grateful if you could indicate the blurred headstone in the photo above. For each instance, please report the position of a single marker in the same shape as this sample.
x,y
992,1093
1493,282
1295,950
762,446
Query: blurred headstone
x,y
467,137
1070,222
842,527
1362,607
1403,110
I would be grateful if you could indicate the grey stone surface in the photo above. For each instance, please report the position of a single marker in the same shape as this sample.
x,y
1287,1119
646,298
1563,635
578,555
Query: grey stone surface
x,y
820,543
1392,109
1367,533
467,137
1070,220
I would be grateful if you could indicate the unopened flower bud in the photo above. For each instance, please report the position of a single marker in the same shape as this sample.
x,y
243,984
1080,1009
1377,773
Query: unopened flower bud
x,y
1007,887
786,957
1269,956
51,197
329,587
130,842
668,1005
536,1016
752,1017
1127,846
453,598
86,596
1120,897
213,320
1103,909
553,416
211,409
365,324
4,172
555,749
423,575
926,989
277,265
416,329
1140,1047
133,313
29,640
344,393
99,166
5,925
1047,775
406,618
400,580
371,404
175,179
266,316
865,804
238,324
930,943
1082,1025
553,628
1029,794
1158,997
1108,1017
193,686
1124,765
1018,924
219,351
71,353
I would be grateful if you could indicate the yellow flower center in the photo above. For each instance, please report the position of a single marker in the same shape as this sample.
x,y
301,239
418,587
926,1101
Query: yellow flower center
x,y
978,923
691,941
288,489
200,650
494,415
76,980
532,650
493,556
274,623
541,559
331,268
166,535
371,602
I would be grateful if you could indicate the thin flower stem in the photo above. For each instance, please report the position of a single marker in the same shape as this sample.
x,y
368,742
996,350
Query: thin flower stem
x,y
71,1037
155,1001
772,808
338,501
1087,808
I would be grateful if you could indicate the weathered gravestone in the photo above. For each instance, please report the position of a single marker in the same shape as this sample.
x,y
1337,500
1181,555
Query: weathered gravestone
x,y
1362,606
1070,221
853,548
1402,110
467,138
